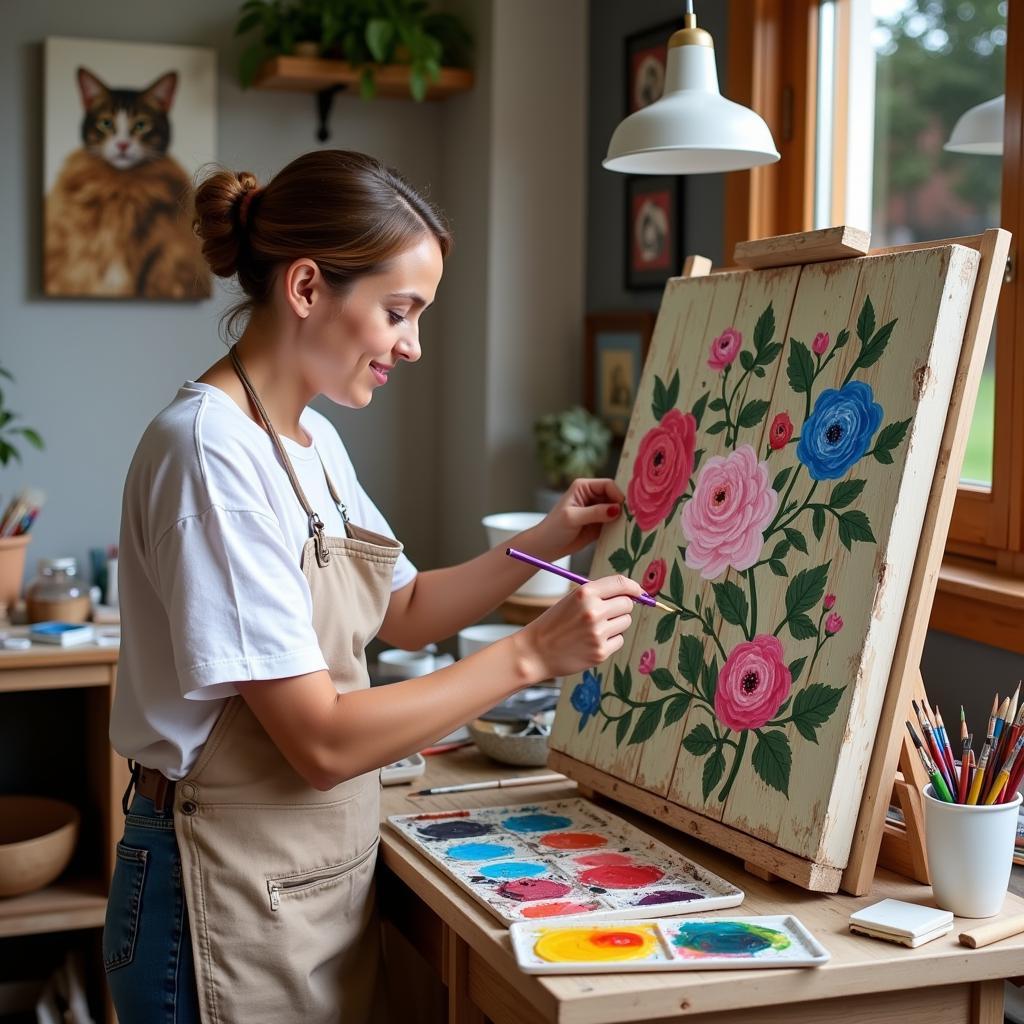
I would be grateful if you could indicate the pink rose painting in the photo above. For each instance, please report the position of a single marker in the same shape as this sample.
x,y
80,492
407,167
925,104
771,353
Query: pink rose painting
x,y
752,684
661,471
780,431
724,521
654,577
725,348
820,344
647,662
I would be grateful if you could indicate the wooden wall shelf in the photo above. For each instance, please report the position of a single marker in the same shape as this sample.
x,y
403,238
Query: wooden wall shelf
x,y
61,907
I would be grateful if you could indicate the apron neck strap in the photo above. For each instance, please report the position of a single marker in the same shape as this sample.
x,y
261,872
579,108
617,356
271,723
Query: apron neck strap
x,y
316,526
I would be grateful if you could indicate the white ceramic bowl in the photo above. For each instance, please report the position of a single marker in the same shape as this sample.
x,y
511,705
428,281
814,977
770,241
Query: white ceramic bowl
x,y
503,743
502,527
476,638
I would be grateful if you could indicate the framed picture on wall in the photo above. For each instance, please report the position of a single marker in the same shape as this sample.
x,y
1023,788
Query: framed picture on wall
x,y
646,54
615,347
653,230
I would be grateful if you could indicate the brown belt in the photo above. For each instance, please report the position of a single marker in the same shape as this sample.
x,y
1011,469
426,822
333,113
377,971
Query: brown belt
x,y
154,786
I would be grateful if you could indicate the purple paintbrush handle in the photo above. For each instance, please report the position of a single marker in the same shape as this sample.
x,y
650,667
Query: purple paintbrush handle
x,y
575,577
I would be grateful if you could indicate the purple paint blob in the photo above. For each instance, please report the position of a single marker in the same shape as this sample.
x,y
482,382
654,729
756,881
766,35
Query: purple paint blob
x,y
652,899
527,889
460,829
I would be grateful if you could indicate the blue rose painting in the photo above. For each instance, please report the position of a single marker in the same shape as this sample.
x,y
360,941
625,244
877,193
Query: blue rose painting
x,y
839,431
586,697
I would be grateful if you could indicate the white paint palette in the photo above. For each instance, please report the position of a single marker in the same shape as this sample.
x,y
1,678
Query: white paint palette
x,y
564,858
668,944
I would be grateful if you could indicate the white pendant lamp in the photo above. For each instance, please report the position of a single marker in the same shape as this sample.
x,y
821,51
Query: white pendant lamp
x,y
980,129
692,129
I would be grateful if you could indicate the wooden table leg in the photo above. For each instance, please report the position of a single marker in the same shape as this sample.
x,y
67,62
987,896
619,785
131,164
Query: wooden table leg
x,y
461,1008
987,1002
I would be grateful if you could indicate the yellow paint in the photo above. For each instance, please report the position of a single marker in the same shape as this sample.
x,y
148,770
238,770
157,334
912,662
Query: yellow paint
x,y
596,945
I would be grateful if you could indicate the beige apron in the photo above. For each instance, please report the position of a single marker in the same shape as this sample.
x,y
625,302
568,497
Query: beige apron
x,y
278,876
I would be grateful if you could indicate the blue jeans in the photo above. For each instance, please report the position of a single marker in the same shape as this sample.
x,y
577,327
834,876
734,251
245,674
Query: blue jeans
x,y
147,949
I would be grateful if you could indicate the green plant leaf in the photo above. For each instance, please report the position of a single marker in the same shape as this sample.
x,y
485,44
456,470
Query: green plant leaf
x,y
800,367
691,658
709,679
796,667
818,522
698,407
676,708
764,329
753,412
647,724
621,682
249,21
622,727
675,585
367,84
772,759
813,707
700,740
846,493
780,478
666,626
866,321
418,83
802,627
714,769
777,567
663,679
855,525
797,539
380,34
620,561
250,61
732,602
806,589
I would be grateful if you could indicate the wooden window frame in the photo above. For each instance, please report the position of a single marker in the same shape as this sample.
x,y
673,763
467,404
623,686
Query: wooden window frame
x,y
772,67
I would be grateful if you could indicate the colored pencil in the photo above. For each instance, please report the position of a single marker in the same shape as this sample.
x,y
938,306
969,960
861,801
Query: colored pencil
x,y
1004,774
979,775
539,563
965,770
938,782
465,787
997,732
1012,728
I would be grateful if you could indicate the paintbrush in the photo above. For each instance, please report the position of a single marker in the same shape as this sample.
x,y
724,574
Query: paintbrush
x,y
520,780
932,769
539,563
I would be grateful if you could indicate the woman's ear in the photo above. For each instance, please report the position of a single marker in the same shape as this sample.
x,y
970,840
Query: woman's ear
x,y
302,284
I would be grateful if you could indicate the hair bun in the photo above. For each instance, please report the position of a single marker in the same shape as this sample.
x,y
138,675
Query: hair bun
x,y
220,203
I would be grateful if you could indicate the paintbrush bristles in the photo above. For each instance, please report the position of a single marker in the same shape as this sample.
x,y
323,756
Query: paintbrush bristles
x,y
667,607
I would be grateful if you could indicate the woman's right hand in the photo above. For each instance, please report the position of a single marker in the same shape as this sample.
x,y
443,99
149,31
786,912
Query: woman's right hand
x,y
583,629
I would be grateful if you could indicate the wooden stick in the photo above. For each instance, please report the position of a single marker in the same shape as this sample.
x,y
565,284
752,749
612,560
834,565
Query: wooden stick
x,y
986,933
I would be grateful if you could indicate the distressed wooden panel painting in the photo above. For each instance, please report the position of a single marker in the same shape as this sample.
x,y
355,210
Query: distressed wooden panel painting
x,y
777,468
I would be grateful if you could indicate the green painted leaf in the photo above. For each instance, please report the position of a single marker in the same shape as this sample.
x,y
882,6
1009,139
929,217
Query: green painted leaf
x,y
676,708
732,602
675,584
813,707
866,321
846,493
622,727
891,436
780,478
672,392
635,538
716,404
620,561
796,538
747,360
697,456
777,567
717,428
802,627
796,667
698,407
647,544
659,402
758,371
621,682
806,589
753,412
781,549
885,457
714,769
842,338
800,367
666,625
764,329
663,679
709,679
853,526
647,724
767,356
700,740
818,522
873,351
691,658
772,759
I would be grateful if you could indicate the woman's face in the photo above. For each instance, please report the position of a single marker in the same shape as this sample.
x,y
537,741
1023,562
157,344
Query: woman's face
x,y
355,342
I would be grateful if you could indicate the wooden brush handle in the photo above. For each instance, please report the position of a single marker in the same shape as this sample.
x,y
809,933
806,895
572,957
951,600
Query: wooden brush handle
x,y
986,933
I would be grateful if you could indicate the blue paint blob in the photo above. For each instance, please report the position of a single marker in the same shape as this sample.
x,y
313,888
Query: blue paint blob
x,y
513,869
652,899
457,829
536,822
479,851
697,939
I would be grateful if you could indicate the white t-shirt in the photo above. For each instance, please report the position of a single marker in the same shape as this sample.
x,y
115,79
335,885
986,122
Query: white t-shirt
x,y
209,578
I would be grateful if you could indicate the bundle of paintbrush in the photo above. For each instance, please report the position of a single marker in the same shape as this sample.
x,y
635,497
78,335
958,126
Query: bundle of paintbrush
x,y
21,512
995,776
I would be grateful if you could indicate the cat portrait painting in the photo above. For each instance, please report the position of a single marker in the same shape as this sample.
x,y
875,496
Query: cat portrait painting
x,y
126,131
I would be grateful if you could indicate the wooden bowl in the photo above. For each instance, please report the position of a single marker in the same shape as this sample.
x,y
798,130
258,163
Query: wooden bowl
x,y
37,839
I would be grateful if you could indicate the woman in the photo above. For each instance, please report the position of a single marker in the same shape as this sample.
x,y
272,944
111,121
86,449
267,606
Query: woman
x,y
253,571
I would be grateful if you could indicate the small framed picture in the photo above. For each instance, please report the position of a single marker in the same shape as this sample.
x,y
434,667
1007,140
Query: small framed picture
x,y
653,230
614,352
646,54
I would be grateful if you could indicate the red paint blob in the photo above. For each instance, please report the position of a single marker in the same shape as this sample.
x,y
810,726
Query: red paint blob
x,y
617,940
621,877
526,889
573,840
558,909
604,860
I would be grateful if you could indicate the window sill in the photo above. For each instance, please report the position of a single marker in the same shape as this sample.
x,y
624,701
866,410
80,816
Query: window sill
x,y
975,601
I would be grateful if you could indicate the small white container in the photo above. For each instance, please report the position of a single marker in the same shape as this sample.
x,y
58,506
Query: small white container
x,y
476,638
970,853
395,663
502,527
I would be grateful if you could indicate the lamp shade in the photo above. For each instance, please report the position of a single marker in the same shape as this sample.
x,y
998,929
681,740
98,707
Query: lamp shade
x,y
692,129
980,129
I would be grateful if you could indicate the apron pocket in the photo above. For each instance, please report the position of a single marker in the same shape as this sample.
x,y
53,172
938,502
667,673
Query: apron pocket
x,y
284,886
122,924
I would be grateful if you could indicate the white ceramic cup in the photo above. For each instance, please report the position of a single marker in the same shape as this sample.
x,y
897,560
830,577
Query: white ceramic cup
x,y
970,853
476,638
398,664
502,527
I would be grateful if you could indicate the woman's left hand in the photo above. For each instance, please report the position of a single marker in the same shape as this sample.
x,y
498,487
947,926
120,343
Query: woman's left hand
x,y
578,517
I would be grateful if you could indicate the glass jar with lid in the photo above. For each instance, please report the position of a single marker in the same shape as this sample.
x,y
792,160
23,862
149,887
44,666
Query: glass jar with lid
x,y
58,593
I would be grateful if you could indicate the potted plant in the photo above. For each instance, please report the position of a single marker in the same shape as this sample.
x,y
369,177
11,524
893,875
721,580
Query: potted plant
x,y
366,33
570,444
12,549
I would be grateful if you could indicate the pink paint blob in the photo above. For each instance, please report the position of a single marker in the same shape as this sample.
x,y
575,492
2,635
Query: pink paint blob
x,y
573,840
622,877
604,860
560,909
528,889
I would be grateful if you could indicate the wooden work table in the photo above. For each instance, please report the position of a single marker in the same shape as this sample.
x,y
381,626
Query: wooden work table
x,y
468,950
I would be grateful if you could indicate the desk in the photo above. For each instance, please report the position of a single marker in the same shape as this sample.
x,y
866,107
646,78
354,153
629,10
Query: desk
x,y
866,980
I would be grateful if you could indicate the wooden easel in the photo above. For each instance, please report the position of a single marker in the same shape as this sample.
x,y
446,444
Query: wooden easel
x,y
894,773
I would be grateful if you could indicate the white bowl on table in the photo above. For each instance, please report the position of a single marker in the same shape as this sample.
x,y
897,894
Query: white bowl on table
x,y
476,638
502,527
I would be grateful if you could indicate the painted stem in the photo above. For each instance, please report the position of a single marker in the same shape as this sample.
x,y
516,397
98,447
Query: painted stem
x,y
724,794
753,605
